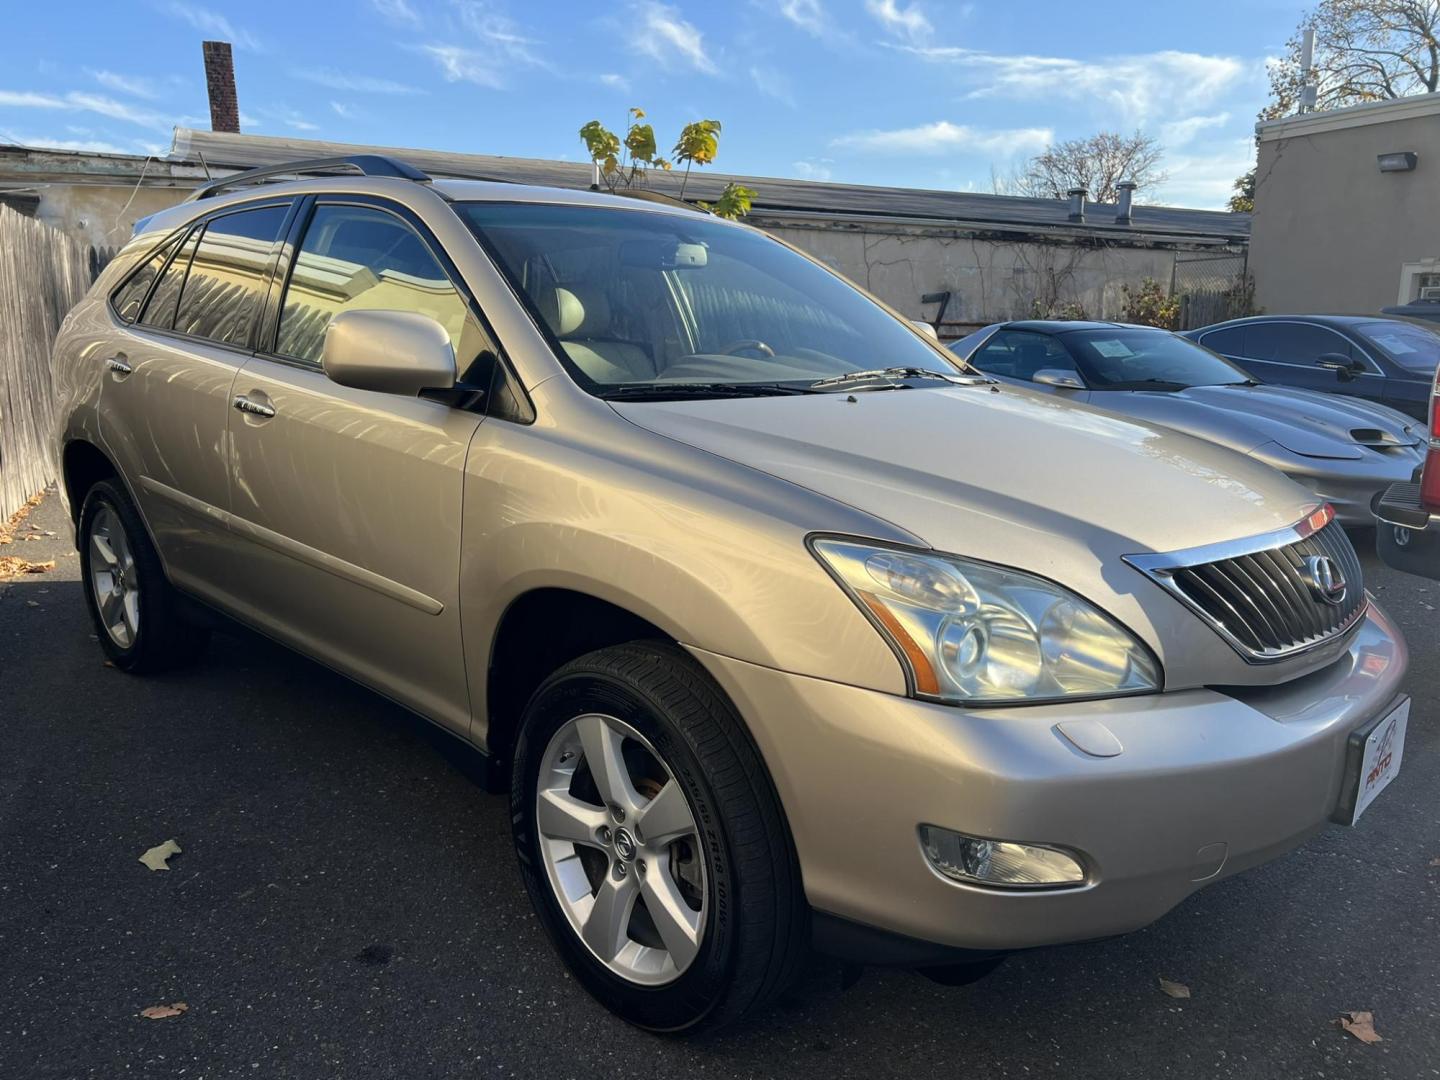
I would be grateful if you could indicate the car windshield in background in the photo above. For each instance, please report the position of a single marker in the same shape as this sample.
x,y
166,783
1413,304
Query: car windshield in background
x,y
1415,348
640,299
1123,359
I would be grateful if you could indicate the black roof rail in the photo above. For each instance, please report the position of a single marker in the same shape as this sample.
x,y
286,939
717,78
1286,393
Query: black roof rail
x,y
364,164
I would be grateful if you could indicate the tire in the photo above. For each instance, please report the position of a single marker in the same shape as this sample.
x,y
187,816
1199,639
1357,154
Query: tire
x,y
135,614
659,709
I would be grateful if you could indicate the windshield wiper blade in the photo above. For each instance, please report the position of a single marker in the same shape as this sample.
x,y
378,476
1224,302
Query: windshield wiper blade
x,y
889,374
658,391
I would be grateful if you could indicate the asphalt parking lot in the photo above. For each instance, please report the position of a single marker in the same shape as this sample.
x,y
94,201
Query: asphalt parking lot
x,y
347,904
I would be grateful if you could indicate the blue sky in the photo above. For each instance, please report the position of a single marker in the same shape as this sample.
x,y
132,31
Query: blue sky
x,y
910,92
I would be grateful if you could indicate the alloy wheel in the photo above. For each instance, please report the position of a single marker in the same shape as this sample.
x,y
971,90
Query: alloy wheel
x,y
113,578
621,849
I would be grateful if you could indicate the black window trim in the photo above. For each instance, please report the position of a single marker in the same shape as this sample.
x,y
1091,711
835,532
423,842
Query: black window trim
x,y
1364,353
198,224
287,251
183,234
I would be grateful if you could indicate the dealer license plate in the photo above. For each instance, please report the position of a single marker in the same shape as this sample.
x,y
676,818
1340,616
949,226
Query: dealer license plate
x,y
1374,761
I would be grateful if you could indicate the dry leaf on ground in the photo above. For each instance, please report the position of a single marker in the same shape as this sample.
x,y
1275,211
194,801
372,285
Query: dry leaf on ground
x,y
1359,1024
1174,989
10,565
162,1012
1435,862
156,856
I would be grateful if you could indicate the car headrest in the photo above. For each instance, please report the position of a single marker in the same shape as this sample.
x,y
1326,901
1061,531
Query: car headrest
x,y
570,316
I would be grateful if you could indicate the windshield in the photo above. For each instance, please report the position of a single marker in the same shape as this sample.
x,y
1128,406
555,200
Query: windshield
x,y
636,298
1415,348
1125,359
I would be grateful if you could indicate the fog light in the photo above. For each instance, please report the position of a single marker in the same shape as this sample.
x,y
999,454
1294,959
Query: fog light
x,y
998,863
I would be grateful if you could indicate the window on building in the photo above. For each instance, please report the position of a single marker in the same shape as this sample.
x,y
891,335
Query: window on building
x,y
222,293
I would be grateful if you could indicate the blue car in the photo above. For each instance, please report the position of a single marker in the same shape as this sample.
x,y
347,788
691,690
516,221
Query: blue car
x,y
1382,359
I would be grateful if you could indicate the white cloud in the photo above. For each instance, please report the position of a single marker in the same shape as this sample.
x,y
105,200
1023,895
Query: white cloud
x,y
1136,88
212,23
361,84
809,15
1182,132
507,42
134,85
396,11
615,82
465,65
51,142
1206,177
904,22
344,111
812,170
665,37
773,84
82,101
289,117
943,137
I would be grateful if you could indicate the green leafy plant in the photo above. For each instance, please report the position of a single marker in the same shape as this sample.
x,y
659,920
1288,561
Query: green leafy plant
x,y
1150,304
1064,310
626,163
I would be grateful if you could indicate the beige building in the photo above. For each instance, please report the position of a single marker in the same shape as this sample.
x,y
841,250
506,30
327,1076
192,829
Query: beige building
x,y
1347,208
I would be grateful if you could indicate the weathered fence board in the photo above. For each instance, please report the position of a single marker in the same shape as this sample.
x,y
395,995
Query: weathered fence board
x,y
43,273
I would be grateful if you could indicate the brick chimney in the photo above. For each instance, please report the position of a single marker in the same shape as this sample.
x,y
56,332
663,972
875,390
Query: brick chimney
x,y
220,85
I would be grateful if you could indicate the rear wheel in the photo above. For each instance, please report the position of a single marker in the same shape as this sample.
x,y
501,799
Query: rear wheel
x,y
652,843
131,603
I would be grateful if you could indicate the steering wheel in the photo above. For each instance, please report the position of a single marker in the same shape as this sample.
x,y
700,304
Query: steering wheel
x,y
737,347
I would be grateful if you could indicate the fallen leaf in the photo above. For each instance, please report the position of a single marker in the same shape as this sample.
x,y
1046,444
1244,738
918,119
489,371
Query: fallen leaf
x,y
13,564
156,856
1435,862
163,1012
1174,989
1359,1024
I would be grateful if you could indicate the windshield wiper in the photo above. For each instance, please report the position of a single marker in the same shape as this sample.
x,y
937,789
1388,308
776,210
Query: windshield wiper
x,y
890,375
662,391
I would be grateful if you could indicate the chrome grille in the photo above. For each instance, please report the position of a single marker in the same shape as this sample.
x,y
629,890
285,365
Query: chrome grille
x,y
1261,595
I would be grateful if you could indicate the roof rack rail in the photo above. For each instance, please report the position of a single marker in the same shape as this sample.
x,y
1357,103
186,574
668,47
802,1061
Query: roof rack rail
x,y
646,195
364,164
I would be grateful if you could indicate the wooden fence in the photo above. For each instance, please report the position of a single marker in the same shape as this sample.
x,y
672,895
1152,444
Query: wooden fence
x,y
43,273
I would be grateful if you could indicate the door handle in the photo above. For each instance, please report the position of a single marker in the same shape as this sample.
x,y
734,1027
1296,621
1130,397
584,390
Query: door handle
x,y
118,365
254,408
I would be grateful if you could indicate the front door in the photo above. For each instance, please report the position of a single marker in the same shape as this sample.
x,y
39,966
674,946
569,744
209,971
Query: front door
x,y
346,503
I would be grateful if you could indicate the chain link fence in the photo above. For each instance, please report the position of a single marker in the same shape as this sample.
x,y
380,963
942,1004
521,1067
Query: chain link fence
x,y
1212,287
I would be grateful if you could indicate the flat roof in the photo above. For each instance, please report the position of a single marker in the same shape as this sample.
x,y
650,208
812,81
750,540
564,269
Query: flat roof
x,y
776,196
1413,107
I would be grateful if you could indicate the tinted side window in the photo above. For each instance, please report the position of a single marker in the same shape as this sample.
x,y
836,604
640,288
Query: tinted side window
x,y
1230,341
1020,354
128,298
222,293
160,311
1292,343
362,259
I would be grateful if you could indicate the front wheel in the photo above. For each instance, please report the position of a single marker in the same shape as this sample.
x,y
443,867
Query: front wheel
x,y
652,842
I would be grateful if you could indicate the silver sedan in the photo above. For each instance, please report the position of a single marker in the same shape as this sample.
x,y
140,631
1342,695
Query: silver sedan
x,y
1342,448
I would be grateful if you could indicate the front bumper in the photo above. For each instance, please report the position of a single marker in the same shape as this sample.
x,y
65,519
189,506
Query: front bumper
x,y
1348,486
1207,784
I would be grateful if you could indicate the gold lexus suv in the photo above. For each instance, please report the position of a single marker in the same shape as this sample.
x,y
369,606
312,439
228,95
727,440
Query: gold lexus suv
x,y
783,628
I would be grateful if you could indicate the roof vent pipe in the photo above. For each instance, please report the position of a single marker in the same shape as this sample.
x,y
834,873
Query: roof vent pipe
x,y
1123,212
1077,203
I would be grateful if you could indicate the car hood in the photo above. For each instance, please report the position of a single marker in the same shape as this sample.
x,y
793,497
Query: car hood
x,y
998,473
1244,418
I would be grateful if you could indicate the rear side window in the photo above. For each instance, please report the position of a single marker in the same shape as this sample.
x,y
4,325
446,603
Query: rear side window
x,y
160,310
1300,344
356,258
221,294
1230,341
130,296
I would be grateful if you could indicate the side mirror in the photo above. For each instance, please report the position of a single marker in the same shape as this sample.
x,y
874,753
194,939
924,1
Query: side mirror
x,y
393,352
1058,378
1345,368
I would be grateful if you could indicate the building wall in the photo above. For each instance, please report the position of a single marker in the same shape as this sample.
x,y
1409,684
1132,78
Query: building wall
x,y
1330,231
102,215
990,280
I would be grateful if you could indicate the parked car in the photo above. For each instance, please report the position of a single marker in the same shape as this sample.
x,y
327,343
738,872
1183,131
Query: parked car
x,y
1426,308
772,645
1387,360
1407,515
1344,451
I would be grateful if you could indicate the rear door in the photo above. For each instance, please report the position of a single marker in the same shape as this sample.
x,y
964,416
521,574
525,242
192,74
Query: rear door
x,y
347,502
191,312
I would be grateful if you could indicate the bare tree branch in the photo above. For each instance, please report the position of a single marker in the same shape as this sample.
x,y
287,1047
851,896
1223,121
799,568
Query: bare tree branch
x,y
1098,164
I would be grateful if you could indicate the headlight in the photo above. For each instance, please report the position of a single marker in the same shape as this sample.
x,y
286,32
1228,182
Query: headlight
x,y
973,633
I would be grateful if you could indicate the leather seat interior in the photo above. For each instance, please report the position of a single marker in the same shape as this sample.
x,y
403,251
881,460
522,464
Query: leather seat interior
x,y
581,320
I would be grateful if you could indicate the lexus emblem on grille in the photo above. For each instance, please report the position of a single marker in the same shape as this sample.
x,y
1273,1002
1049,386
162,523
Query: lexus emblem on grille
x,y
1326,580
